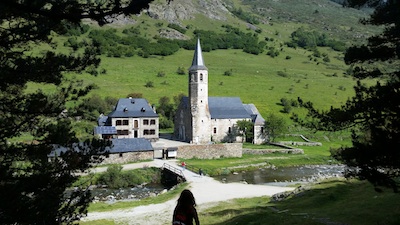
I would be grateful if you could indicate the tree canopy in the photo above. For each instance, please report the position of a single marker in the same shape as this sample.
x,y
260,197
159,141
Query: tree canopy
x,y
373,113
32,187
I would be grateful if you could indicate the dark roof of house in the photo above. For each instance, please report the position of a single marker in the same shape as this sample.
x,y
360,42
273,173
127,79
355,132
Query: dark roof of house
x,y
105,130
130,145
227,108
132,107
118,146
102,120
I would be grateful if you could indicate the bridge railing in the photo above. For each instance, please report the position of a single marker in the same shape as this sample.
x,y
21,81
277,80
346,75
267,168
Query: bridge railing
x,y
195,169
174,170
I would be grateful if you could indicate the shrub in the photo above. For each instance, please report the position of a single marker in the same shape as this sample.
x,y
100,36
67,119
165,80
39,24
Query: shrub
x,y
115,178
149,84
135,95
177,28
282,74
181,71
228,73
161,74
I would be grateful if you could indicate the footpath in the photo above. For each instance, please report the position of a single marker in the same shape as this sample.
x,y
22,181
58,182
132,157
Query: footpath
x,y
207,191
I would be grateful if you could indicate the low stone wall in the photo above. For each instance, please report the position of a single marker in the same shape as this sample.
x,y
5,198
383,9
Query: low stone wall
x,y
212,151
269,151
297,143
128,157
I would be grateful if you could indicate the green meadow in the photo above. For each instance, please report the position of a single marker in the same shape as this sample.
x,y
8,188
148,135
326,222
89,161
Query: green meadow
x,y
254,78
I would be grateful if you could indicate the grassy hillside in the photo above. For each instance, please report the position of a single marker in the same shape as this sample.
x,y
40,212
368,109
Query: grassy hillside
x,y
259,79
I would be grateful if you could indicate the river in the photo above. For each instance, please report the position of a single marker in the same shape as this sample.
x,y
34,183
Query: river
x,y
284,176
268,176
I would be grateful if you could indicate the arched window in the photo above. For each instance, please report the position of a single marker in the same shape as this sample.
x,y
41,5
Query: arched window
x,y
215,130
229,130
201,77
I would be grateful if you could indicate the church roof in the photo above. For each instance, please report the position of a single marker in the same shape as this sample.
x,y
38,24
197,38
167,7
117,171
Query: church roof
x,y
255,115
227,108
198,62
224,108
132,107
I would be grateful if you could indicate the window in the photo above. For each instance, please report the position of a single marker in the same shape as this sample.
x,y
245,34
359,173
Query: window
x,y
121,155
118,122
125,122
152,122
146,132
262,130
145,122
152,132
122,132
215,130
201,77
229,130
136,124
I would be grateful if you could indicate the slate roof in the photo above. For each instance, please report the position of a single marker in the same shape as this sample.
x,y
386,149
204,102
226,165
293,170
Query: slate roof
x,y
118,146
105,130
102,120
224,107
132,107
198,62
255,114
130,145
227,108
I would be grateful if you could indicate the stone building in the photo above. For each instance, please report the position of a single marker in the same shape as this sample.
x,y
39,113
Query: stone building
x,y
201,119
131,118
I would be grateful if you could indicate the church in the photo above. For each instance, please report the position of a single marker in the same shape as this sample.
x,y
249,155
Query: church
x,y
201,119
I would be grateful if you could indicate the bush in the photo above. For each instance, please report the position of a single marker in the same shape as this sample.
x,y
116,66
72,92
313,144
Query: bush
x,y
115,178
282,74
177,28
135,95
228,73
149,84
161,74
181,71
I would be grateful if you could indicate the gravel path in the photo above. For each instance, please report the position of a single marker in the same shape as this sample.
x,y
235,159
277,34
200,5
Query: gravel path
x,y
207,191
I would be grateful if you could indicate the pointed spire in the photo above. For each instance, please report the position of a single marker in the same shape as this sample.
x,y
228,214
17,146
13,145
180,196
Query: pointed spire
x,y
198,62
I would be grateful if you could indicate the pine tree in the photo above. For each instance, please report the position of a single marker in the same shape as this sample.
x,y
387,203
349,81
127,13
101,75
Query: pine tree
x,y
34,189
373,113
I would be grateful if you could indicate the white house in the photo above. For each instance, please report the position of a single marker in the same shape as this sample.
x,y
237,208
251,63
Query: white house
x,y
131,118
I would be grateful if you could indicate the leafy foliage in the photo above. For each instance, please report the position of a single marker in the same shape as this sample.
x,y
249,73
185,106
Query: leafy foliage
x,y
245,16
115,178
311,39
245,128
92,107
274,126
32,187
373,113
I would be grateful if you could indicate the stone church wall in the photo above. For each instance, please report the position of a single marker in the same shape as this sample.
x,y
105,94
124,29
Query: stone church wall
x,y
221,126
212,151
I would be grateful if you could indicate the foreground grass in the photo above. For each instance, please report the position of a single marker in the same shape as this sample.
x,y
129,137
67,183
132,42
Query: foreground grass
x,y
329,202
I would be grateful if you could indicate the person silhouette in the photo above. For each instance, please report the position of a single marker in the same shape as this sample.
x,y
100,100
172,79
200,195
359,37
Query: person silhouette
x,y
185,210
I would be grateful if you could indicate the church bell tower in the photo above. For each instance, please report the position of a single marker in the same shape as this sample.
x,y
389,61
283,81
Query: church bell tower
x,y
198,99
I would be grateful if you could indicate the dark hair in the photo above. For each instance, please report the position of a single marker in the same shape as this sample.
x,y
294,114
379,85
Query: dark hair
x,y
186,199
